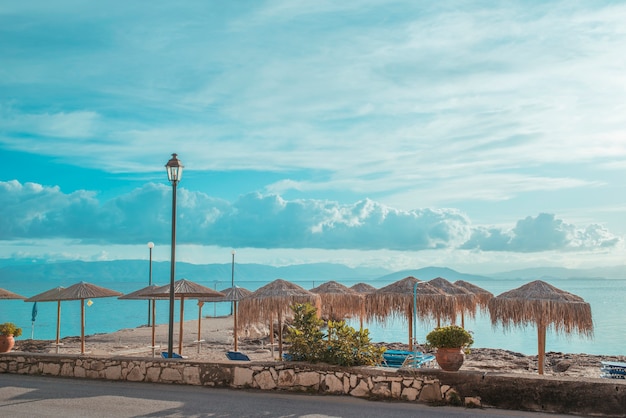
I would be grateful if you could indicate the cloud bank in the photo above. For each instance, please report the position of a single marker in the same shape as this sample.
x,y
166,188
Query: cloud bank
x,y
32,211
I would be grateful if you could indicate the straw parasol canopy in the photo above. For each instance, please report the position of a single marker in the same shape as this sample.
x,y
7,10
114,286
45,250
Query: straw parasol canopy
x,y
544,305
363,288
81,291
51,295
232,294
397,299
482,296
275,299
184,288
144,294
339,301
5,294
463,299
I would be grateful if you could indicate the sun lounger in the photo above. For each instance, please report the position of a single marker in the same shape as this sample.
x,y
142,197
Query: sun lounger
x,y
237,355
395,358
417,360
613,370
174,355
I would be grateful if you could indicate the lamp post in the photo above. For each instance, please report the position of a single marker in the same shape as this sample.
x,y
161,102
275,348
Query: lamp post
x,y
232,280
174,173
150,246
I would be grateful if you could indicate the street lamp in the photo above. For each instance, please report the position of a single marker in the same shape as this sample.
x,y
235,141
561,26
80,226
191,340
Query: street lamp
x,y
232,281
150,246
174,173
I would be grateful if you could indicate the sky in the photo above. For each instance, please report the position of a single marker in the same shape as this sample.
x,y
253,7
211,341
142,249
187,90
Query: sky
x,y
480,136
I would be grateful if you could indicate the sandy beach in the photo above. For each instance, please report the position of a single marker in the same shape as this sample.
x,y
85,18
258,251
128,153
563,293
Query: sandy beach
x,y
217,338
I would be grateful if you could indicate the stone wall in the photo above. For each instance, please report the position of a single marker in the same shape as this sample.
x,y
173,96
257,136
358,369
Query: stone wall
x,y
363,382
598,397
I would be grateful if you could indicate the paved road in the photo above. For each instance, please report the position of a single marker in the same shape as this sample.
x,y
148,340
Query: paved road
x,y
37,396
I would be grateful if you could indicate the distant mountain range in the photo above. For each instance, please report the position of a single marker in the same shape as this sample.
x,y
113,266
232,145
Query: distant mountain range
x,y
252,275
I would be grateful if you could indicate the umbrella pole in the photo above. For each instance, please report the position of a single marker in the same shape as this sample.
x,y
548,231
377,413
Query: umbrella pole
x,y
272,335
280,335
182,320
541,339
463,320
153,301
58,324
411,329
82,326
200,304
235,323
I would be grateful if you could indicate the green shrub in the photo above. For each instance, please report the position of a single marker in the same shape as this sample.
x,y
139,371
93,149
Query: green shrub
x,y
9,328
343,345
451,336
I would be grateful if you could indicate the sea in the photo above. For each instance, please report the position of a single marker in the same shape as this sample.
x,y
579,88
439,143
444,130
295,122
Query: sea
x,y
103,315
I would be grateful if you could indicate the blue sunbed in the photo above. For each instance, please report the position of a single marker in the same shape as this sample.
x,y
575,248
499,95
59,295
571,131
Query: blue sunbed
x,y
237,355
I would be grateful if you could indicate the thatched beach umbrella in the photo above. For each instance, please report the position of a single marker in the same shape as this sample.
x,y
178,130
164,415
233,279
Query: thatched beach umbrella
x,y
144,294
544,305
81,291
232,294
338,301
51,296
275,299
463,299
5,294
397,299
363,288
184,289
481,301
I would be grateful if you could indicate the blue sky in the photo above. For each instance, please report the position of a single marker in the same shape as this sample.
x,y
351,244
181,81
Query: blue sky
x,y
400,134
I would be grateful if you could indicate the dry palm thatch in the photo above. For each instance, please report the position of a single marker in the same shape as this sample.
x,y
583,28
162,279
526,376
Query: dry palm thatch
x,y
339,301
81,291
274,300
363,288
5,294
544,305
397,299
51,295
184,288
482,298
463,300
233,294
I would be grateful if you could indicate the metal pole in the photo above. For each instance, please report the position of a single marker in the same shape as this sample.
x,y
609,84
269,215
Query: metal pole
x,y
150,282
232,280
170,335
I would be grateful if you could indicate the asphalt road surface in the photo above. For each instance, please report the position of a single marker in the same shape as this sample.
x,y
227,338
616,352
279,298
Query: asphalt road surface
x,y
37,396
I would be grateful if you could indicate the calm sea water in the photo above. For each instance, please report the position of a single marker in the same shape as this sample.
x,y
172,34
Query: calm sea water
x,y
606,298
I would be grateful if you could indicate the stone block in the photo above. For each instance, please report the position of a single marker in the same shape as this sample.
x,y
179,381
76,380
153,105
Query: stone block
x,y
410,394
473,401
431,392
361,390
79,371
171,375
396,389
153,374
242,377
134,375
113,373
308,379
286,378
381,389
333,384
51,369
191,375
264,380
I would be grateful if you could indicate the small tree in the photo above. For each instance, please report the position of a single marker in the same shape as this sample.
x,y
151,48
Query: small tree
x,y
343,345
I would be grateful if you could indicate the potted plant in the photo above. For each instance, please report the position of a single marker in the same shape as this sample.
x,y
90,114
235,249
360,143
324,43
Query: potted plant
x,y
8,330
451,343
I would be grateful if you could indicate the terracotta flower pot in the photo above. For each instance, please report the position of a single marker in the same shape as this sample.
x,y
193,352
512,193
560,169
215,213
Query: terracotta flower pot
x,y
450,359
6,343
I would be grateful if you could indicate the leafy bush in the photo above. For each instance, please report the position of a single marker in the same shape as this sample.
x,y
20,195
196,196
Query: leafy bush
x,y
343,345
9,328
451,336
